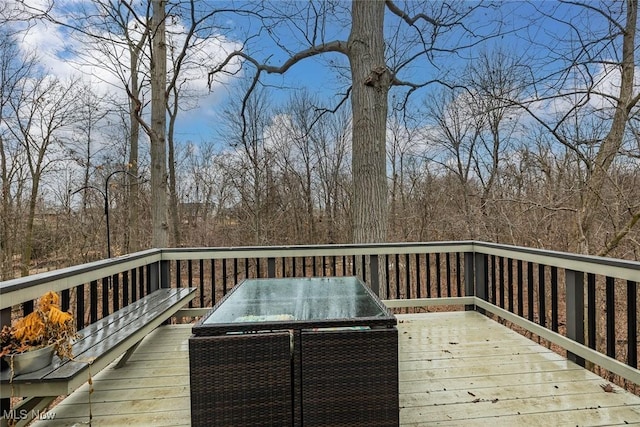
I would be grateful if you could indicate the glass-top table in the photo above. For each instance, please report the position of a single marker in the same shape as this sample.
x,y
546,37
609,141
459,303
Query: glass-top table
x,y
335,301
295,351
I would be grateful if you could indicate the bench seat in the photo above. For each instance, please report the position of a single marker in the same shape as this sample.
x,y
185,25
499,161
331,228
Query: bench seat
x,y
99,344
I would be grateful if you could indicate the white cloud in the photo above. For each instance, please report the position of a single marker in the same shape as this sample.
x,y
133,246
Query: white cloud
x,y
64,56
602,92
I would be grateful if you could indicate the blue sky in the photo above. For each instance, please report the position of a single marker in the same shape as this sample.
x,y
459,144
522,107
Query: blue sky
x,y
199,124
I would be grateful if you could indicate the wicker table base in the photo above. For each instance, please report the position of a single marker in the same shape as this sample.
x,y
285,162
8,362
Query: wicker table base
x,y
344,377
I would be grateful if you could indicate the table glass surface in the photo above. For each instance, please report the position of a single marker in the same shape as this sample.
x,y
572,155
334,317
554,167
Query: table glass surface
x,y
297,299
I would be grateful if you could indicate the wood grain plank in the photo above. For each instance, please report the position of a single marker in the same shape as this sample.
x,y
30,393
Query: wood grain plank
x,y
455,369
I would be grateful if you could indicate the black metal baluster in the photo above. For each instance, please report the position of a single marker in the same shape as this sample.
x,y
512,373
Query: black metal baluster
x,y
178,273
125,288
65,302
387,267
427,273
213,282
224,275
502,267
493,280
458,275
134,285
93,301
27,307
407,275
235,271
189,279
105,297
447,258
611,316
530,302
364,268
418,278
632,321
80,306
542,292
510,285
397,275
116,292
520,285
591,310
438,276
201,282
554,299
147,283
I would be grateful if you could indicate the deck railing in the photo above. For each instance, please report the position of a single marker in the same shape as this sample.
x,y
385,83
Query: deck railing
x,y
586,305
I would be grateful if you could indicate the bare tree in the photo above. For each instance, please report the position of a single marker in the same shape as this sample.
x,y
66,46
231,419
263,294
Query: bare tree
x,y
402,142
296,139
371,77
493,78
251,159
15,69
138,32
189,43
41,116
332,151
158,127
455,135
593,58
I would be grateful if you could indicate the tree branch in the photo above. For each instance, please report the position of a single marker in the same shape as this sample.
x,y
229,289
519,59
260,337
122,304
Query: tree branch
x,y
406,18
615,242
334,46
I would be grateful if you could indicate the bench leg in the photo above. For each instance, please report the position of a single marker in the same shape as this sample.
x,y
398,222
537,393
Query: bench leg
x,y
127,355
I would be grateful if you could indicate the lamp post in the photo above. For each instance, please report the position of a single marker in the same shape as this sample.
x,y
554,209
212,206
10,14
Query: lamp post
x,y
105,196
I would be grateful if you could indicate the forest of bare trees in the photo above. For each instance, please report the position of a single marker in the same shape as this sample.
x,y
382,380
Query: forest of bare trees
x,y
432,127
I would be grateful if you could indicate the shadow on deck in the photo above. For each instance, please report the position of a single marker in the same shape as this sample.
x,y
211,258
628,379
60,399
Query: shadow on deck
x,y
456,368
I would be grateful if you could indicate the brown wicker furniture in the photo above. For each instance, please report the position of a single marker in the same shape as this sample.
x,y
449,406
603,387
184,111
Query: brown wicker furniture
x,y
301,351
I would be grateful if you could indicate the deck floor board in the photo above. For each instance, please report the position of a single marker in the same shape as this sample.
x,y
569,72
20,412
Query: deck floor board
x,y
456,368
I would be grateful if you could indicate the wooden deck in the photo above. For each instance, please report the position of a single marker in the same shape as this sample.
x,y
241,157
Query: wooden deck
x,y
455,369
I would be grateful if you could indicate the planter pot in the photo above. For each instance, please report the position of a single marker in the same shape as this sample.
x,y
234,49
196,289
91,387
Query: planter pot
x,y
30,361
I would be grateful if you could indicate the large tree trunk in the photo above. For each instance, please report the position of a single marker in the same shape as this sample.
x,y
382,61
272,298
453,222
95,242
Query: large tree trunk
x,y
158,128
173,180
6,218
592,197
370,81
132,240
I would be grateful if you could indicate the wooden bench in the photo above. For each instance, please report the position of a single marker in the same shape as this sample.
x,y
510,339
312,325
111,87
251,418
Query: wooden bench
x,y
98,345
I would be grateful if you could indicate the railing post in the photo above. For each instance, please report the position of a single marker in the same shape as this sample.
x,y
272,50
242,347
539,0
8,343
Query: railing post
x,y
271,268
480,279
375,275
165,271
469,281
575,310
159,275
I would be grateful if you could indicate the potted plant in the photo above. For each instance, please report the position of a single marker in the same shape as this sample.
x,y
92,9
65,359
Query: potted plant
x,y
29,344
